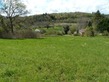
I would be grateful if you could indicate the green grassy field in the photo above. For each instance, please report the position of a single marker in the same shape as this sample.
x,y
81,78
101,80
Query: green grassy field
x,y
55,59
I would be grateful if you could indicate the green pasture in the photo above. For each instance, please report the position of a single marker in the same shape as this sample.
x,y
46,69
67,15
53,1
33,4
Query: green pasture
x,y
55,59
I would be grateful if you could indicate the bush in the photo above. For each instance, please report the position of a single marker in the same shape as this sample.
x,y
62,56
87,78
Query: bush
x,y
51,32
27,33
73,29
60,33
105,33
66,29
43,31
4,34
76,33
69,32
21,34
89,31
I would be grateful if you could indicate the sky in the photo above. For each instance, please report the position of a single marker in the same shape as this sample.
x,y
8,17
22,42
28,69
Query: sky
x,y
58,6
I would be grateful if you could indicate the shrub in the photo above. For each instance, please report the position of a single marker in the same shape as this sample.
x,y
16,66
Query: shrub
x,y
76,33
66,29
51,32
23,33
105,33
89,31
59,33
43,31
69,32
73,29
27,33
4,34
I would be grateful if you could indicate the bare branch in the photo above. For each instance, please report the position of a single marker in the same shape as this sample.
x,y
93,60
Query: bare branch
x,y
12,9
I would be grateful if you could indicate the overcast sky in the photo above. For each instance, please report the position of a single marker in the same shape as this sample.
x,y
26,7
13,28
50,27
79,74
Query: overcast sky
x,y
55,6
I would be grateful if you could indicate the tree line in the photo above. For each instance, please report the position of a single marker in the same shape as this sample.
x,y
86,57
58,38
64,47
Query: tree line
x,y
14,19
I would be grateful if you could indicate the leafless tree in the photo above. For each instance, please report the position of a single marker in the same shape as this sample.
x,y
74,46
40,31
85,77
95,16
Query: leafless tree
x,y
12,9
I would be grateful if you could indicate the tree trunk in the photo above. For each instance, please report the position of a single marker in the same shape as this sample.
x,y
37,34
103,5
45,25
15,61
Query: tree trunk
x,y
11,25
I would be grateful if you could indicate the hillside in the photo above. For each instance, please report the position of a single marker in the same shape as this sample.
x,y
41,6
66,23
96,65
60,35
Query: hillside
x,y
43,20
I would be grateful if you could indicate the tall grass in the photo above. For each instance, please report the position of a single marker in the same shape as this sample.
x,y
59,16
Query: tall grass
x,y
55,59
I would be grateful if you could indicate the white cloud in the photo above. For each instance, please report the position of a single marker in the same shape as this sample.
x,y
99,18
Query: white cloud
x,y
51,6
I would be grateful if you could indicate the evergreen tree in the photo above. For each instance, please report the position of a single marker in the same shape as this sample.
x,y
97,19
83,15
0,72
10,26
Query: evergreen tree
x,y
97,17
103,25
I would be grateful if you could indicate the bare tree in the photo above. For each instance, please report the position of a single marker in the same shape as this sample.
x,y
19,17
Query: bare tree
x,y
12,9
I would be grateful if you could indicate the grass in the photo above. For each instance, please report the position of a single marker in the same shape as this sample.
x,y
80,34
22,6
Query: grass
x,y
53,31
55,59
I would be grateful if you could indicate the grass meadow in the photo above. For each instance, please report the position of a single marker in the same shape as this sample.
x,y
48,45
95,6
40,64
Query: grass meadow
x,y
55,59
